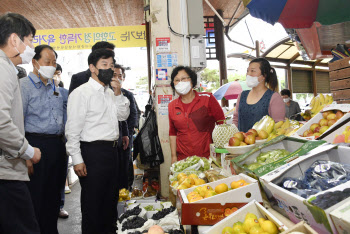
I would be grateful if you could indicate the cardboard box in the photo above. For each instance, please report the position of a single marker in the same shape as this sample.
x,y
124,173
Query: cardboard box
x,y
211,210
226,163
252,207
296,147
301,227
338,130
341,218
343,107
293,205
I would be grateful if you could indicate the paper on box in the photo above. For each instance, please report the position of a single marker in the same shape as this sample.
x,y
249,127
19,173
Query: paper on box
x,y
252,207
341,218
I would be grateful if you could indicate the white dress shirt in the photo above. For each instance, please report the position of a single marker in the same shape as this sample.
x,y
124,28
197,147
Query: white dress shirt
x,y
93,113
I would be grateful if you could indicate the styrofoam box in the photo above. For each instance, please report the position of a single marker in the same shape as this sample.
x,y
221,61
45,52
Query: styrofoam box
x,y
235,195
211,210
252,207
343,107
330,138
293,204
302,227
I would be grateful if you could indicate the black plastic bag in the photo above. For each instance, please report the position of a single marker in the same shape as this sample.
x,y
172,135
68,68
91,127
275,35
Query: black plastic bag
x,y
147,142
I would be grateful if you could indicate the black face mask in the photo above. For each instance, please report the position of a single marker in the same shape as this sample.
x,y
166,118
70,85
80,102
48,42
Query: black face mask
x,y
105,75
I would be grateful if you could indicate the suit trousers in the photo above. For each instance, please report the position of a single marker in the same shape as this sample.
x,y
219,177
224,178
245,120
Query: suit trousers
x,y
99,189
46,182
124,167
16,209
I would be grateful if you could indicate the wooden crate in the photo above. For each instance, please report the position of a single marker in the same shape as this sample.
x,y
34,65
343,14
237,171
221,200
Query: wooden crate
x,y
339,77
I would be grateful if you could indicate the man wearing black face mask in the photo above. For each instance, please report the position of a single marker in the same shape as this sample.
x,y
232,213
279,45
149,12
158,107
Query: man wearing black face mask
x,y
92,132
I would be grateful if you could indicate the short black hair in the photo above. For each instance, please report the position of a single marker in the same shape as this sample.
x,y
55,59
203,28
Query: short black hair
x,y
188,70
285,92
14,23
38,49
58,68
21,72
102,45
120,67
98,54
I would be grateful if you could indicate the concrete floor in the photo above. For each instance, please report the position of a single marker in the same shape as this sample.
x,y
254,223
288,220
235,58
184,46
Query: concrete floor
x,y
72,225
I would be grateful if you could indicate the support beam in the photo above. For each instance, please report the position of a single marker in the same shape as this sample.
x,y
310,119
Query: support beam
x,y
314,84
307,63
292,59
220,51
289,78
149,66
257,48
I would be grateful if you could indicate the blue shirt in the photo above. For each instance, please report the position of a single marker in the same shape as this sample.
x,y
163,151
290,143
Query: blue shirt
x,y
43,111
64,93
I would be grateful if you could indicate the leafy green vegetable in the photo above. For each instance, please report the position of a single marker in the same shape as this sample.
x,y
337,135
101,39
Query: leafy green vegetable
x,y
149,208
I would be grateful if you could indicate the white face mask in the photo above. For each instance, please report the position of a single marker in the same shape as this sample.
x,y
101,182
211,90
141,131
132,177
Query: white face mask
x,y
27,54
121,82
252,81
286,100
183,87
46,71
56,79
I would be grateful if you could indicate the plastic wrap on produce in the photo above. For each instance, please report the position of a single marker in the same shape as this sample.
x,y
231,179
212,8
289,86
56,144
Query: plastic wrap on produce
x,y
170,221
191,163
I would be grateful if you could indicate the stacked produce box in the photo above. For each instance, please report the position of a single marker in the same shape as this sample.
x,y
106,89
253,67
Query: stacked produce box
x,y
340,80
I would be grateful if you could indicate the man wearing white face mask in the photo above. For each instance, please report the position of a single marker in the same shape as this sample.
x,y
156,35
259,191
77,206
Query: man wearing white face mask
x,y
43,110
16,212
292,107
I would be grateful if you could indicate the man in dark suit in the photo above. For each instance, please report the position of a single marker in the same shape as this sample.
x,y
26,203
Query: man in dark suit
x,y
126,163
84,76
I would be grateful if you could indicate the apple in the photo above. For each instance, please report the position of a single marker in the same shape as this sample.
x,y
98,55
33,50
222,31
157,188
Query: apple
x,y
239,135
331,116
248,133
310,134
323,122
254,132
242,144
317,129
317,135
326,113
331,122
258,138
313,126
307,132
323,129
234,141
250,139
339,114
263,134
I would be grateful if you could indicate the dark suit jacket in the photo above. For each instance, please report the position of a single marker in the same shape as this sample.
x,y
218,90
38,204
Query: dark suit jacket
x,y
79,79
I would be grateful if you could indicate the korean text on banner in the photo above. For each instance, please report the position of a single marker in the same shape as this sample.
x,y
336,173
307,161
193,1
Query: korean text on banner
x,y
85,38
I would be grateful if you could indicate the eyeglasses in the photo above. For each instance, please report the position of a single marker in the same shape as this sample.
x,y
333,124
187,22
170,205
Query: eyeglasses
x,y
183,79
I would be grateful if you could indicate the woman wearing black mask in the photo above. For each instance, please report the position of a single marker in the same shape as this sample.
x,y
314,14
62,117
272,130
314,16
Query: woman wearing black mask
x,y
92,132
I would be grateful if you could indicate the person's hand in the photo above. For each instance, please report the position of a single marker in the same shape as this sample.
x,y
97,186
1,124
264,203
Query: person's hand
x,y
173,160
30,167
125,142
37,156
80,170
116,86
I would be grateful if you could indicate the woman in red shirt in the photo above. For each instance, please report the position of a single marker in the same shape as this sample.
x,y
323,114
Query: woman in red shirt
x,y
192,116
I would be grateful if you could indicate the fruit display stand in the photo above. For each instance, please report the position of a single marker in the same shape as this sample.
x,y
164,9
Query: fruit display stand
x,y
239,216
296,147
339,76
345,108
211,210
298,208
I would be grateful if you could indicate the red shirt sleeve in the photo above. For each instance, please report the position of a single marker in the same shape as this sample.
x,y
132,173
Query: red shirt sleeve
x,y
215,109
172,129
